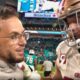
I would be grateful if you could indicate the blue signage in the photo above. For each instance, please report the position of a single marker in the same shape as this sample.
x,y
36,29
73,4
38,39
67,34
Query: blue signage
x,y
39,8
27,5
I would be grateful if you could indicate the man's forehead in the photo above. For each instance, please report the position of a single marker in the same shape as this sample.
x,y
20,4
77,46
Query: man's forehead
x,y
73,19
73,26
2,23
9,21
10,26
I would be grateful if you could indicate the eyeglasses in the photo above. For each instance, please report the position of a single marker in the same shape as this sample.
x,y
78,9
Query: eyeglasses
x,y
16,36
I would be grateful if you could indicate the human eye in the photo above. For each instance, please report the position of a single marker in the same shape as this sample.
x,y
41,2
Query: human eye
x,y
14,36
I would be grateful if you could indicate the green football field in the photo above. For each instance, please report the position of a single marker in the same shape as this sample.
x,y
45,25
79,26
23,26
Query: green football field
x,y
41,72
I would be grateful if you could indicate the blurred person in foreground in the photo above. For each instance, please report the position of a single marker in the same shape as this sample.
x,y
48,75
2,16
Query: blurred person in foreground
x,y
68,51
12,44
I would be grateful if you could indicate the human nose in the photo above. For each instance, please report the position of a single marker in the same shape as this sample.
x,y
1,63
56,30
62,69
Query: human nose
x,y
23,38
24,35
22,41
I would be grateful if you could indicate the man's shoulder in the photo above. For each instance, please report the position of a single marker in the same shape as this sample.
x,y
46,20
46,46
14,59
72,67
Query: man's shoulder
x,y
61,44
8,71
62,48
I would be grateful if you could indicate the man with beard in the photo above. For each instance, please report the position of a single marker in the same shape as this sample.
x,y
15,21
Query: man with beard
x,y
12,43
68,51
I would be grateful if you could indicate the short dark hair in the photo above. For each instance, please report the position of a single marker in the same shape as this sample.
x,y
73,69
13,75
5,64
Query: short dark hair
x,y
7,12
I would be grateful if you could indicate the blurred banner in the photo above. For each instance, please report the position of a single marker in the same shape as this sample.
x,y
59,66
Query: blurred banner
x,y
40,8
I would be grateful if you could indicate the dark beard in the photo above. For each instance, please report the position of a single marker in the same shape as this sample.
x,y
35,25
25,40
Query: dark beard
x,y
79,50
11,59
